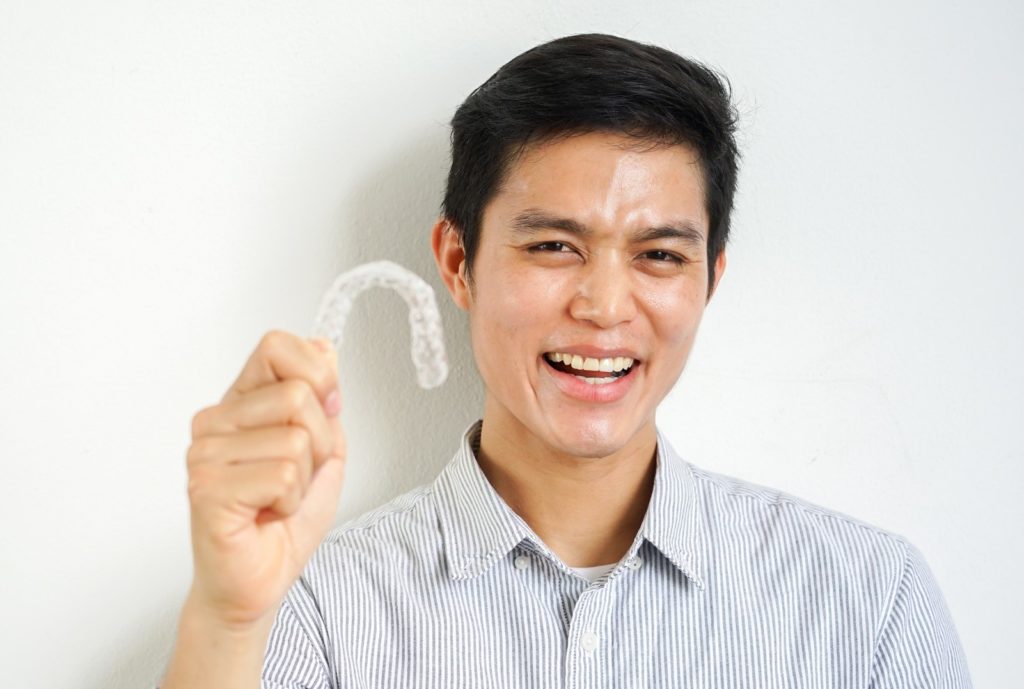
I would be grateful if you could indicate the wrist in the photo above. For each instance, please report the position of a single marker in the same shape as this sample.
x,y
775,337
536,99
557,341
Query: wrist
x,y
213,653
200,616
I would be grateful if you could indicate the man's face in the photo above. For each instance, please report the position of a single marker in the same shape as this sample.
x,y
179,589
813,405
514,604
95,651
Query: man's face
x,y
593,248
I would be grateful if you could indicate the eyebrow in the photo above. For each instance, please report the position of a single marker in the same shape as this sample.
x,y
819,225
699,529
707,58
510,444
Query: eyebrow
x,y
532,221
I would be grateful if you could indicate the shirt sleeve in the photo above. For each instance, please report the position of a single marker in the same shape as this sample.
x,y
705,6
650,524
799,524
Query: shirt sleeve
x,y
918,646
296,657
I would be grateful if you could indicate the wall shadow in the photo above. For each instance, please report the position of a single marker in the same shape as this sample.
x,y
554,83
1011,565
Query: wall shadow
x,y
401,435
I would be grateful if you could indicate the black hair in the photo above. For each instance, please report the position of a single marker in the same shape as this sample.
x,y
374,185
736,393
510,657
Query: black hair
x,y
591,83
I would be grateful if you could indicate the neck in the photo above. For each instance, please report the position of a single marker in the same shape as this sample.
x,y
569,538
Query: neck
x,y
587,510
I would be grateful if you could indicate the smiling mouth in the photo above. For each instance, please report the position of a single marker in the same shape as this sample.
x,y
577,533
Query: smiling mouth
x,y
593,371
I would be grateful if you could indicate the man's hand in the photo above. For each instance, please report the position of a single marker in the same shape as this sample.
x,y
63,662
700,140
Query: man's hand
x,y
266,468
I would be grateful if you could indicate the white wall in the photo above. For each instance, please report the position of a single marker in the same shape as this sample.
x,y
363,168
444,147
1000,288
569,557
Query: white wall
x,y
177,179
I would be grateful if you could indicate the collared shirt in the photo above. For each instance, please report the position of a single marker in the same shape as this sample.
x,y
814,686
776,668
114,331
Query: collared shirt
x,y
727,585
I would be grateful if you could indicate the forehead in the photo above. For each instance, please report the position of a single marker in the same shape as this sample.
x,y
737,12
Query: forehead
x,y
605,180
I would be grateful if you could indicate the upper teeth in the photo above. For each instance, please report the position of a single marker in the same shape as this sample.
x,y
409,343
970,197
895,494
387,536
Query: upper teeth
x,y
619,363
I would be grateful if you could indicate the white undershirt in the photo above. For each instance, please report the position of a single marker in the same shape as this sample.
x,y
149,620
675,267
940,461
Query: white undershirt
x,y
594,573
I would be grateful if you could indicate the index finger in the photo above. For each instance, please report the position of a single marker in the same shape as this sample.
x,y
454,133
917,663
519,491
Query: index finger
x,y
281,355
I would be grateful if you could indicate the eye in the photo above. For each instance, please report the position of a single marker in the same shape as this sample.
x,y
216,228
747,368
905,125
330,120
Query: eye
x,y
664,257
549,247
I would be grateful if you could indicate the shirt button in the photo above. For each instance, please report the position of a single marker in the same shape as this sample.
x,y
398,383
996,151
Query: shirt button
x,y
522,562
589,641
635,563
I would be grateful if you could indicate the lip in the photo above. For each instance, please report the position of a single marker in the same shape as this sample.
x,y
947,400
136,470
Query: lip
x,y
573,387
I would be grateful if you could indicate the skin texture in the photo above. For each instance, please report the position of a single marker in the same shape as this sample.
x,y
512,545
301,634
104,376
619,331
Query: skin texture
x,y
580,471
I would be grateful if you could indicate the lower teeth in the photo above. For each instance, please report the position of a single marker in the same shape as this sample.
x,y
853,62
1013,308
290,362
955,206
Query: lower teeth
x,y
597,381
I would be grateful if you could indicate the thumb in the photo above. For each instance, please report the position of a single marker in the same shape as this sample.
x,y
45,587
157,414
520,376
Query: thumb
x,y
320,504
340,447
325,489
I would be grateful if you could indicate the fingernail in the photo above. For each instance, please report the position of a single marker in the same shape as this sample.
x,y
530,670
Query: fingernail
x,y
332,405
322,343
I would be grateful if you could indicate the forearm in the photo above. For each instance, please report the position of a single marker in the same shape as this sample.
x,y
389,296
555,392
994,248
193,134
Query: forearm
x,y
211,655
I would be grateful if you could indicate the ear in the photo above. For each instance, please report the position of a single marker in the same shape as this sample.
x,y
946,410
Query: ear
x,y
719,270
451,261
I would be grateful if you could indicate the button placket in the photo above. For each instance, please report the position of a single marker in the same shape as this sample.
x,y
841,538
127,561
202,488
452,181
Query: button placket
x,y
589,635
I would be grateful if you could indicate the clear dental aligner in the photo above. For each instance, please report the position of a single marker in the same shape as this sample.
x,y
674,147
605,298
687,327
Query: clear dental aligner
x,y
428,353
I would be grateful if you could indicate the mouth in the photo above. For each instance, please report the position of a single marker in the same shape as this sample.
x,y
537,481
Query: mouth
x,y
591,370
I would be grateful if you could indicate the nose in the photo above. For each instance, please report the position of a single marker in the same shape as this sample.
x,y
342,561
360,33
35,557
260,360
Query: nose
x,y
604,294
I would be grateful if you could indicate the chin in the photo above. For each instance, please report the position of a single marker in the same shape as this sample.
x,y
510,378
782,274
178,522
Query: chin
x,y
592,440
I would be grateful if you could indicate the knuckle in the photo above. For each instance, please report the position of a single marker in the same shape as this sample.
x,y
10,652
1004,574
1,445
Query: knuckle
x,y
288,474
296,393
297,441
273,341
200,479
199,421
198,451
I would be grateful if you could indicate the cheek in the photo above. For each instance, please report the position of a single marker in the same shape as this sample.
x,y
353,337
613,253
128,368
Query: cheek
x,y
676,315
518,300
509,318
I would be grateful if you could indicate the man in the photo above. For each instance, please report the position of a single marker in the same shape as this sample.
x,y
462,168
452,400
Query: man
x,y
566,544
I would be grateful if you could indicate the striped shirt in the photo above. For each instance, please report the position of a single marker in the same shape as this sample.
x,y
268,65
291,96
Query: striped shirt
x,y
727,585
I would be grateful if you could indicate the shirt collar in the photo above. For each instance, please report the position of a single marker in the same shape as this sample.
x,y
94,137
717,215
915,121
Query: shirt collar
x,y
479,528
